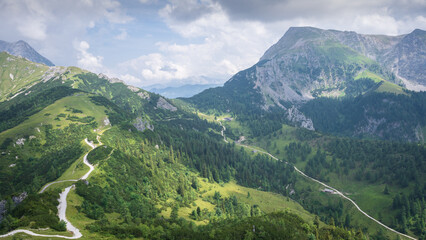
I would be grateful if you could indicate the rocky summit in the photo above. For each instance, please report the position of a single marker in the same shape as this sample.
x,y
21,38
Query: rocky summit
x,y
23,49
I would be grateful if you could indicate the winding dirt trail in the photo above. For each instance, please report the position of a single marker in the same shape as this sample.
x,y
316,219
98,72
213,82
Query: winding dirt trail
x,y
62,207
323,184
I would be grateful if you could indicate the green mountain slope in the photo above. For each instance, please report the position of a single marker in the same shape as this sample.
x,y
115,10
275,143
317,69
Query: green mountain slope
x,y
159,171
17,74
43,146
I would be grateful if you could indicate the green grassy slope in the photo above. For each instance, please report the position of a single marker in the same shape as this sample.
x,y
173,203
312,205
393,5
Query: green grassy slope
x,y
16,74
66,111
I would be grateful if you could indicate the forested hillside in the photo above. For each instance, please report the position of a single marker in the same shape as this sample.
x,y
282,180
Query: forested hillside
x,y
153,171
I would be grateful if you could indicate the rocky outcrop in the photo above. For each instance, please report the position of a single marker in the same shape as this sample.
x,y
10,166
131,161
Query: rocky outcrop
x,y
20,141
141,93
408,58
162,103
53,73
297,117
142,124
16,200
21,197
144,95
106,121
111,80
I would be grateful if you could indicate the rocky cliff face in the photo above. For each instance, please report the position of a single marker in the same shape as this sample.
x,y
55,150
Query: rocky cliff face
x,y
309,62
23,49
408,60
404,55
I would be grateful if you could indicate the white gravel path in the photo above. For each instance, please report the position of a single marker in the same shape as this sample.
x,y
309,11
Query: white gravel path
x,y
62,207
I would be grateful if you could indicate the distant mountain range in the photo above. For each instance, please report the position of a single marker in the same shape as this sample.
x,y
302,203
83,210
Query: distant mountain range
x,y
23,49
187,90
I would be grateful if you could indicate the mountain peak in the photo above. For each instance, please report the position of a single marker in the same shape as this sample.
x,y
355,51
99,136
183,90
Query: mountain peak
x,y
296,37
21,42
23,49
418,32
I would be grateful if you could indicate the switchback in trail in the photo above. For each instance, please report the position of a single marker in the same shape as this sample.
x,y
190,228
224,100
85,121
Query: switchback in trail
x,y
62,207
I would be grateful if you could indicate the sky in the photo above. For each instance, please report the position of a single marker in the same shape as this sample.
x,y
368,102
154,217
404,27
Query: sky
x,y
177,42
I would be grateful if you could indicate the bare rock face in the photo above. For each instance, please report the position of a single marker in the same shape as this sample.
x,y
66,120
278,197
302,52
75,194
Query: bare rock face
x,y
23,49
144,95
53,73
20,141
297,117
18,199
111,80
162,103
141,93
142,124
309,62
106,121
404,55
304,59
133,88
408,58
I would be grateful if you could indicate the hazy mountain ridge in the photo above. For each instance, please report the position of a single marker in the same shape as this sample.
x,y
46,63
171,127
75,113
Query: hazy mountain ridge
x,y
23,49
187,90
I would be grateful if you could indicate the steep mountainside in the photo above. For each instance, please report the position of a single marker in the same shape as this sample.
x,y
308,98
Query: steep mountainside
x,y
157,168
408,60
23,49
309,63
14,79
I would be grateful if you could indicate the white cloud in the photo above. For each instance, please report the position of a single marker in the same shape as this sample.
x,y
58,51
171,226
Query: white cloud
x,y
130,79
226,47
147,1
34,29
376,23
52,25
87,60
201,39
123,35
219,45
153,68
